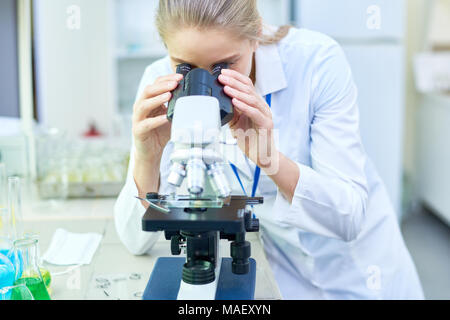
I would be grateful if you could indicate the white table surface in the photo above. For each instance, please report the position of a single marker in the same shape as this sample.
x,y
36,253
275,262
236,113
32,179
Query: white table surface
x,y
112,261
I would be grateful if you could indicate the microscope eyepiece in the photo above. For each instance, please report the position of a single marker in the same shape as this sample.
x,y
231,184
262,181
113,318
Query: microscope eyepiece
x,y
217,69
184,69
200,82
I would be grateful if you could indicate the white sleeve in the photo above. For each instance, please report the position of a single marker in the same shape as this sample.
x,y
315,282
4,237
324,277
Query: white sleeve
x,y
332,194
128,213
128,210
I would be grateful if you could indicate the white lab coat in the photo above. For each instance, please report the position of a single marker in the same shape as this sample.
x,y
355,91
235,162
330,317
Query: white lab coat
x,y
339,239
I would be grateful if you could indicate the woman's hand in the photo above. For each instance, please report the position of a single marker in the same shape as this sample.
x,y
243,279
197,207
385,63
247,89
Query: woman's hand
x,y
151,129
252,124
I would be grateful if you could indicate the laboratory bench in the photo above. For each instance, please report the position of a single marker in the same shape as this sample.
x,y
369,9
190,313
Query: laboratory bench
x,y
126,274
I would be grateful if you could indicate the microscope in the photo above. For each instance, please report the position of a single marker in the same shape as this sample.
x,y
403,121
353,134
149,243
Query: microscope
x,y
194,221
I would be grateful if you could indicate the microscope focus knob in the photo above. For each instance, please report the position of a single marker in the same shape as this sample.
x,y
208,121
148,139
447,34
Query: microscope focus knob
x,y
240,252
251,224
254,225
175,245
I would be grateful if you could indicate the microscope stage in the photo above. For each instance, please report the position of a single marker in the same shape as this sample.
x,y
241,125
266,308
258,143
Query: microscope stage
x,y
228,219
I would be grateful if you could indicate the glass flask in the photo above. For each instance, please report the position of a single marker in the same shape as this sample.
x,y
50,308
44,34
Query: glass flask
x,y
31,275
44,272
21,290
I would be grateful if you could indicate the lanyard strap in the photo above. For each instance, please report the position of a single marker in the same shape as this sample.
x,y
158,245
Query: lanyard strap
x,y
257,169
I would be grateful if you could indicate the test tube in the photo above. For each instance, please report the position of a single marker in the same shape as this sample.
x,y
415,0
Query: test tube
x,y
15,207
5,235
3,187
4,230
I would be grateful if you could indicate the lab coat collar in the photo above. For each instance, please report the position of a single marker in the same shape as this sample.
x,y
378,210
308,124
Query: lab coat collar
x,y
270,75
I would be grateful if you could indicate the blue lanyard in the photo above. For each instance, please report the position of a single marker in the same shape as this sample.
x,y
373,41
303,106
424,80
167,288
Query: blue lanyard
x,y
257,170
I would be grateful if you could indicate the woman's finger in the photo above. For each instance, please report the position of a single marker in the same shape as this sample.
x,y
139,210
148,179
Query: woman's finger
x,y
249,99
252,113
142,129
161,85
147,106
171,77
245,92
238,76
234,83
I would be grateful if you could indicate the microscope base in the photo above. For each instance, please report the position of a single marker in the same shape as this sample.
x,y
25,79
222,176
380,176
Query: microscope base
x,y
165,281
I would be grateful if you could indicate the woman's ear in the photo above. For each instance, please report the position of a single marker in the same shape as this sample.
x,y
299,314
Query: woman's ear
x,y
254,45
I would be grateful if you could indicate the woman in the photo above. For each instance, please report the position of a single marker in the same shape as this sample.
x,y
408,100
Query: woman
x,y
328,228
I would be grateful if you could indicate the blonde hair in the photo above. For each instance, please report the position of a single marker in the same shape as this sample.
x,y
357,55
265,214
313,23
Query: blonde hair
x,y
241,17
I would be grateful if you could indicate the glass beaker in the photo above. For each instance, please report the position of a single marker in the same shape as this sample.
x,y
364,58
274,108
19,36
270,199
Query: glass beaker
x,y
15,207
31,275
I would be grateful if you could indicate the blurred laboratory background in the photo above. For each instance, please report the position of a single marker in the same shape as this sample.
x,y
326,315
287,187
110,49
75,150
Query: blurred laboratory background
x,y
69,72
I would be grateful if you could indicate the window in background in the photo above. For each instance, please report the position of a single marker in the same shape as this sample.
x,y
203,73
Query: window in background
x,y
9,84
